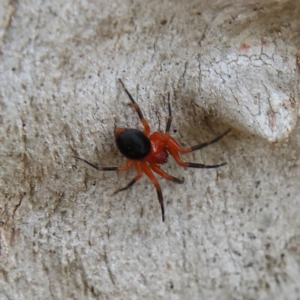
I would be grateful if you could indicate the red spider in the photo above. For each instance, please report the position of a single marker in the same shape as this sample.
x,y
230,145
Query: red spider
x,y
147,152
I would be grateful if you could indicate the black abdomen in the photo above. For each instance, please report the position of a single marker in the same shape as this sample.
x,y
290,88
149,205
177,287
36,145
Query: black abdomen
x,y
133,143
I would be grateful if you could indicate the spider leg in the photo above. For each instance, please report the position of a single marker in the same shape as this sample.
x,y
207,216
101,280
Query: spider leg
x,y
124,168
170,115
173,144
151,176
192,165
165,175
134,180
138,110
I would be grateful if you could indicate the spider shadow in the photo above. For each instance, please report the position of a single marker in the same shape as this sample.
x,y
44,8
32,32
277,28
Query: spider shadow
x,y
193,124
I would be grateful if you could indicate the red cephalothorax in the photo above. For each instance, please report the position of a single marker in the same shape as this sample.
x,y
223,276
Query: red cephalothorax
x,y
158,153
146,152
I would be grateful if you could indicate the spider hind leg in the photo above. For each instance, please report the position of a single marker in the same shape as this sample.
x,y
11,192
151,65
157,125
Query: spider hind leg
x,y
134,180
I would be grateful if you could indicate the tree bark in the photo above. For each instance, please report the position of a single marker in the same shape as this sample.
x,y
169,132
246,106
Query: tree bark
x,y
229,233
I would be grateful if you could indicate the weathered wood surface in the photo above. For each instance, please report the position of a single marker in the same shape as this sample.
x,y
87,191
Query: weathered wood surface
x,y
230,233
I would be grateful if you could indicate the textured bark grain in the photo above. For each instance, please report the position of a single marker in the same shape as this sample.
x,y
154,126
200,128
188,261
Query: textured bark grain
x,y
230,233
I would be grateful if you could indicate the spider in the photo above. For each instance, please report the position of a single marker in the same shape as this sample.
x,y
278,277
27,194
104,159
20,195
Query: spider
x,y
146,152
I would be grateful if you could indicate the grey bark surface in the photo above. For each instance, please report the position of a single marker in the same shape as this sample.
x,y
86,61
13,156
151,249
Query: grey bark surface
x,y
230,233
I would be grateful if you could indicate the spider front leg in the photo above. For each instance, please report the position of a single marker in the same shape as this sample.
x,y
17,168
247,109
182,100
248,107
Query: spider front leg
x,y
177,158
169,122
174,148
165,175
174,145
138,110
